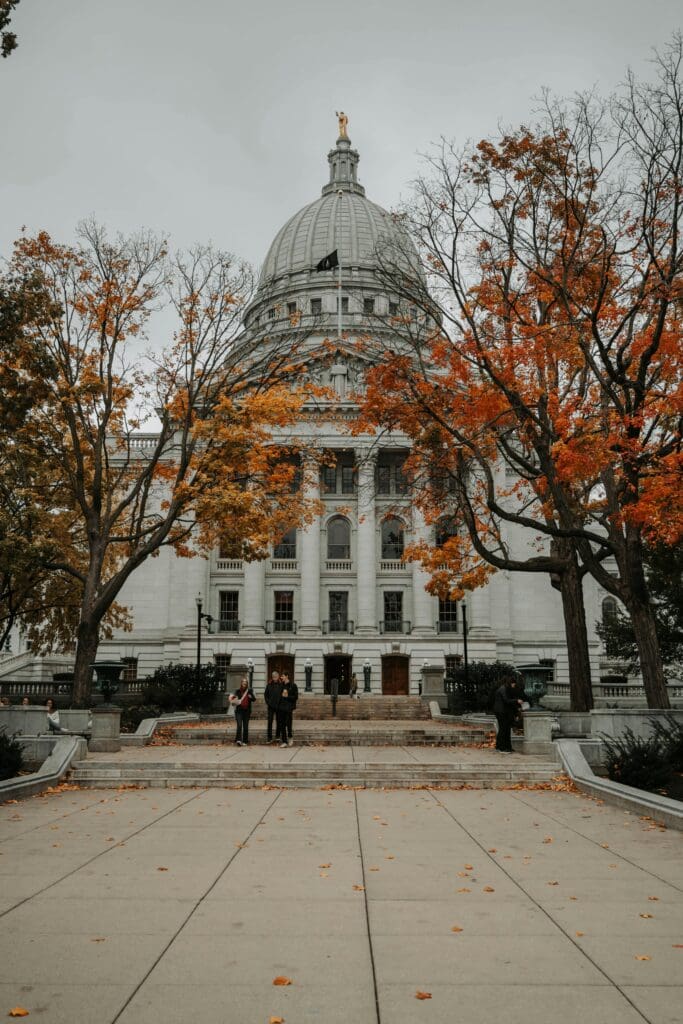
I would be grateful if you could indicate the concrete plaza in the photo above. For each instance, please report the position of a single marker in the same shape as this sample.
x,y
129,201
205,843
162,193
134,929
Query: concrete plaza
x,y
146,906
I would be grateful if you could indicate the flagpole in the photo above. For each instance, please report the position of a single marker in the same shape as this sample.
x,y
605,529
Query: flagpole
x,y
339,259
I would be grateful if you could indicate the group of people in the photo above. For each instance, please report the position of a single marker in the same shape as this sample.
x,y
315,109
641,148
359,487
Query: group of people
x,y
281,696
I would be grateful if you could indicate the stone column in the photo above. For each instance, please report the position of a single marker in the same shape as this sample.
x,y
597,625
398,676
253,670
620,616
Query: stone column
x,y
424,612
366,554
253,613
479,612
309,558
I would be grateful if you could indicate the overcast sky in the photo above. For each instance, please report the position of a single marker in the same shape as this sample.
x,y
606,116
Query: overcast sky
x,y
211,119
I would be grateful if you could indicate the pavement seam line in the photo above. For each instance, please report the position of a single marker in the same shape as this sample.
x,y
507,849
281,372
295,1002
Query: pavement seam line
x,y
535,902
199,902
96,856
367,910
611,849
61,817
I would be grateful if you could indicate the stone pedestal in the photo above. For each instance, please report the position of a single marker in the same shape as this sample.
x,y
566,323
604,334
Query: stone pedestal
x,y
432,685
539,727
106,730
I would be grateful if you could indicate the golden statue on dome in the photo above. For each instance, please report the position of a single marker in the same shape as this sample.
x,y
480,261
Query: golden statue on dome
x,y
343,122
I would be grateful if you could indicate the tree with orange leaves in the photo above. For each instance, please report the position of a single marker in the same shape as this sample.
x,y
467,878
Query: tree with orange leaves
x,y
105,495
551,338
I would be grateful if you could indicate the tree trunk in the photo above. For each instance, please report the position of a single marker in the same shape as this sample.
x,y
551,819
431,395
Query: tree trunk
x,y
568,582
88,638
651,669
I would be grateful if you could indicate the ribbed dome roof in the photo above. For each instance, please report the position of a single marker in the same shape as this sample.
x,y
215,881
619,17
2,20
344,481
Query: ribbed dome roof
x,y
349,223
342,219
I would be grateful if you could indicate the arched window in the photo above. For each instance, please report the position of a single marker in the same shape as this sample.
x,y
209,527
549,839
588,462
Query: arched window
x,y
609,611
286,547
339,538
392,539
445,529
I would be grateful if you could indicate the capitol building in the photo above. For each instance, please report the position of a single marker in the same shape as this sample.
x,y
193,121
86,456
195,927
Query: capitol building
x,y
336,598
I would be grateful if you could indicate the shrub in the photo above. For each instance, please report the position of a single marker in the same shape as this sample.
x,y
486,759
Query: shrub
x,y
638,762
670,733
131,716
11,756
181,688
483,679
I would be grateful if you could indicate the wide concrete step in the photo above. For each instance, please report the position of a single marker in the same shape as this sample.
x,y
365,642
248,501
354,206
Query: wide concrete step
x,y
360,734
319,707
102,774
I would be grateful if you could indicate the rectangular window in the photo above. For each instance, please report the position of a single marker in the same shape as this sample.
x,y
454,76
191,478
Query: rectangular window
x,y
222,663
348,479
291,308
271,313
345,304
229,610
286,548
316,307
329,479
448,616
400,480
368,306
393,309
384,479
284,609
130,670
393,611
339,611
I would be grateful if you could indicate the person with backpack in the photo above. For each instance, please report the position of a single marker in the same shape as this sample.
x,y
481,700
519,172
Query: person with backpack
x,y
242,699
286,708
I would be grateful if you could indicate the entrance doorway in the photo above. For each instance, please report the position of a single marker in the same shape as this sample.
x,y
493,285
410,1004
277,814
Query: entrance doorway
x,y
281,663
395,675
337,666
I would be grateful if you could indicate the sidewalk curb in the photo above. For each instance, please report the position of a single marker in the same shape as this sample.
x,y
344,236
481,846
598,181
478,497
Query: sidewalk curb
x,y
659,808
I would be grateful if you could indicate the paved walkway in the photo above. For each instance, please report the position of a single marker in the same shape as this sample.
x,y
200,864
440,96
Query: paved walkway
x,y
220,753
173,906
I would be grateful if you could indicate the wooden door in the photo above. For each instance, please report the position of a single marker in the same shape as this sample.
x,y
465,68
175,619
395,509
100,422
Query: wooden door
x,y
395,675
281,663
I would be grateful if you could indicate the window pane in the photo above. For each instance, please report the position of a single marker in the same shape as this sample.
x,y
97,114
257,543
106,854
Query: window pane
x,y
393,309
291,308
329,479
316,306
448,616
393,609
286,548
345,304
338,538
284,605
339,605
368,306
348,479
229,606
392,539
401,481
384,479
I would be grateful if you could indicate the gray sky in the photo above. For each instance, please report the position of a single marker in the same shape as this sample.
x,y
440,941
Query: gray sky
x,y
211,119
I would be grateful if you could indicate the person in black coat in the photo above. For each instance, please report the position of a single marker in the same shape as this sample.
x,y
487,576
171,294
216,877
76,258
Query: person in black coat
x,y
285,711
242,699
271,695
506,704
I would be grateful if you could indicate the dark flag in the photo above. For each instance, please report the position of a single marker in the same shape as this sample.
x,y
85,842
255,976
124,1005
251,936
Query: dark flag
x,y
329,262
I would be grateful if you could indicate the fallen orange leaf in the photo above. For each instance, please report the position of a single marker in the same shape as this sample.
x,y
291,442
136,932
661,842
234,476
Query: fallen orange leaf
x,y
488,888
282,980
324,865
456,928
18,1011
647,915
492,849
464,890
99,939
162,869
463,874
423,995
553,883
642,957
578,933
654,899
359,888
677,945
548,839
276,1020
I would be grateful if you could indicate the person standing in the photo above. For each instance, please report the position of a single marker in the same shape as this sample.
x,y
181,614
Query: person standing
x,y
272,695
353,687
506,704
242,699
288,699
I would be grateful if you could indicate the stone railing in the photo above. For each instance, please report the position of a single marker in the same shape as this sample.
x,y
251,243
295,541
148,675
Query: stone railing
x,y
339,565
284,565
621,694
228,565
392,565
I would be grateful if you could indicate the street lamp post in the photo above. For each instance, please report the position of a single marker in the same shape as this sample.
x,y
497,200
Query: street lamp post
x,y
367,672
199,601
308,672
466,683
250,670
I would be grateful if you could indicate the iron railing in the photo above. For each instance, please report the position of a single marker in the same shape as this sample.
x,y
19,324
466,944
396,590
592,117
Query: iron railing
x,y
338,625
281,626
394,626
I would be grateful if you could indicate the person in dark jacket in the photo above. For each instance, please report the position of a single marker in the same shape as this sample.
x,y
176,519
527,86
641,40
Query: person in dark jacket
x,y
506,705
242,699
271,695
285,711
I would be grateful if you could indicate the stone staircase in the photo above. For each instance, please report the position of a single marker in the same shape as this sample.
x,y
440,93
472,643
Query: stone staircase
x,y
368,707
102,774
338,732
